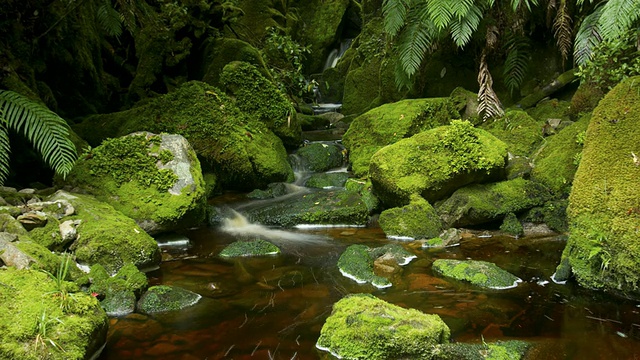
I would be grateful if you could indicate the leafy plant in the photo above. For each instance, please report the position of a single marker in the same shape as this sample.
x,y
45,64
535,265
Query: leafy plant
x,y
48,133
598,249
285,59
42,340
517,61
59,278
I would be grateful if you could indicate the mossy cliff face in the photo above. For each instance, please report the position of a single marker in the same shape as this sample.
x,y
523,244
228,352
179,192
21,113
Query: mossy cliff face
x,y
154,179
365,327
418,220
604,206
260,99
107,237
32,319
390,123
241,150
436,162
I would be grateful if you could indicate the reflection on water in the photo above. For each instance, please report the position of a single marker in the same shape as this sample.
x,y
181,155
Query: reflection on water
x,y
274,307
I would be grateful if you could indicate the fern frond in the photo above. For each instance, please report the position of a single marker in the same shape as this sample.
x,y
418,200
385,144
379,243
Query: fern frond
x,y
440,12
395,15
588,37
562,30
463,28
110,19
552,5
5,149
515,4
47,132
517,62
488,103
414,42
617,17
460,8
402,80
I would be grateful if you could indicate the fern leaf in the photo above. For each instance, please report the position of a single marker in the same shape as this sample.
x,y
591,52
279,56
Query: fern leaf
x,y
5,149
47,132
462,29
460,8
617,17
562,30
414,42
515,4
488,103
440,12
110,19
588,37
517,62
395,15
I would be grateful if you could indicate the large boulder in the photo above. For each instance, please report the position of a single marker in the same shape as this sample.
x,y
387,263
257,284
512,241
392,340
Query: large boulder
x,y
604,212
418,220
365,327
390,123
436,162
154,179
108,237
481,203
241,150
41,319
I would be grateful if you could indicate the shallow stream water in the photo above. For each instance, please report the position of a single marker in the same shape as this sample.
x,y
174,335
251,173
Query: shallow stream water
x,y
274,307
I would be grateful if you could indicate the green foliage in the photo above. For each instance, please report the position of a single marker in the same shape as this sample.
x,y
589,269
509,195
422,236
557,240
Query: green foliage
x,y
109,19
42,340
48,133
285,58
517,61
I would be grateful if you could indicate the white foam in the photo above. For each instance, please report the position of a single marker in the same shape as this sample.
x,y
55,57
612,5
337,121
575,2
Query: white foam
x,y
515,284
553,278
324,226
360,281
407,259
398,237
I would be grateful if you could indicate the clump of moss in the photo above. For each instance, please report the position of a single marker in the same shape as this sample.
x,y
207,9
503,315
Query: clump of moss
x,y
163,298
511,225
479,273
257,247
553,213
585,99
518,130
418,220
364,327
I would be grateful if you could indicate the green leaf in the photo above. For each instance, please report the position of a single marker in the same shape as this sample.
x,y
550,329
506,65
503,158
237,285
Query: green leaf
x,y
395,14
463,28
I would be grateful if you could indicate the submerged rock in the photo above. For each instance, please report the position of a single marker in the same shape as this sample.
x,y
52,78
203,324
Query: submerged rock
x,y
365,327
363,265
163,298
436,162
255,247
479,273
418,220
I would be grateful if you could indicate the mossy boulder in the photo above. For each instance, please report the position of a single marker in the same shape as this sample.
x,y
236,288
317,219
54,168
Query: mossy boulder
x,y
389,123
521,132
257,247
365,190
511,225
436,162
319,157
163,298
482,203
604,211
272,191
357,263
327,180
499,350
553,213
243,153
222,51
107,237
34,325
119,292
557,160
260,99
418,220
479,273
365,327
321,207
154,179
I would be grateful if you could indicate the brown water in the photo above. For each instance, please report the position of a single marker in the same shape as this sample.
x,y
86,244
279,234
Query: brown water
x,y
274,307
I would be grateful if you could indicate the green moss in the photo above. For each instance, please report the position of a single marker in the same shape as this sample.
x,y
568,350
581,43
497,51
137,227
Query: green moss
x,y
390,123
553,213
259,98
27,299
319,157
255,247
221,51
356,262
327,180
418,220
518,130
49,235
8,223
163,298
45,259
436,162
585,99
210,184
364,188
511,225
479,273
364,327
499,350
273,190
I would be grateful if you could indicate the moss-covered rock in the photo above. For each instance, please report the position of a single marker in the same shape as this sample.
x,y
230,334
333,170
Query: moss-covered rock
x,y
553,213
242,151
37,324
260,99
480,273
585,99
327,180
481,203
604,211
313,122
9,224
499,350
390,123
257,247
154,179
365,190
357,262
365,327
107,237
222,51
319,157
128,278
521,132
511,225
436,162
329,207
272,191
163,298
418,220
557,160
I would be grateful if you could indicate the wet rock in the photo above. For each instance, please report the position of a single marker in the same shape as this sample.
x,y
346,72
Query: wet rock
x,y
320,157
357,263
418,220
255,247
327,180
449,237
272,191
365,327
512,350
68,230
479,273
119,303
163,298
9,224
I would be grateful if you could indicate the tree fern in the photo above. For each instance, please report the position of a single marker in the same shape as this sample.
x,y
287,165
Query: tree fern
x,y
440,12
48,133
414,42
488,103
463,28
587,37
516,4
395,15
517,62
562,30
109,19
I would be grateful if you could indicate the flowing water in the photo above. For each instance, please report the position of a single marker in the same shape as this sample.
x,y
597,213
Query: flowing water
x,y
274,307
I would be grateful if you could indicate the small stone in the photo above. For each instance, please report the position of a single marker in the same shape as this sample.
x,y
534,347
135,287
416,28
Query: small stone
x,y
33,219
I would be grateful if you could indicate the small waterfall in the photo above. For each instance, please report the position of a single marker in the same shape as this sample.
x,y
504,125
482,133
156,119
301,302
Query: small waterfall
x,y
238,225
336,54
